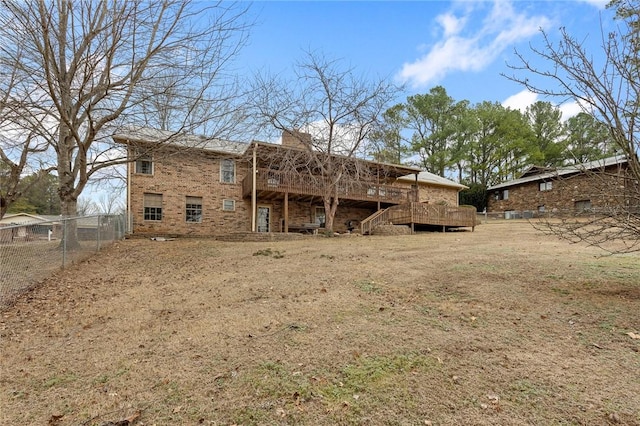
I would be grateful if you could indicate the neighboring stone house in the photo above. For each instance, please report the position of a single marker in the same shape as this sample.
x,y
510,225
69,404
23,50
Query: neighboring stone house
x,y
569,190
187,185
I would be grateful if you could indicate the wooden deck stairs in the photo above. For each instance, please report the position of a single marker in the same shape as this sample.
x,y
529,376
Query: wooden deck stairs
x,y
421,214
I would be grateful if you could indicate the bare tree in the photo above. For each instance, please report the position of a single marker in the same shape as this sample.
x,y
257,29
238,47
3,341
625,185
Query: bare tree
x,y
91,67
606,87
21,148
111,202
329,111
86,206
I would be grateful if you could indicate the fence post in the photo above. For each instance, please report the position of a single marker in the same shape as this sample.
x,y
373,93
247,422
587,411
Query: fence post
x,y
98,233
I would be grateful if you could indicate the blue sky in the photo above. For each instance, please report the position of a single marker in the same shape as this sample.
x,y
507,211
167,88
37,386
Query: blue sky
x,y
461,45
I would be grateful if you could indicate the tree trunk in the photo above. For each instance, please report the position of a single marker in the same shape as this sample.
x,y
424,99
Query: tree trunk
x,y
4,206
70,226
330,208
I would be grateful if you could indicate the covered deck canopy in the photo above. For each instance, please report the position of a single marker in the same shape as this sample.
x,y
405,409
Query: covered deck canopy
x,y
301,175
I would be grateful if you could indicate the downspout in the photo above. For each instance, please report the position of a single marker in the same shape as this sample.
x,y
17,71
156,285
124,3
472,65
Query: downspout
x,y
254,172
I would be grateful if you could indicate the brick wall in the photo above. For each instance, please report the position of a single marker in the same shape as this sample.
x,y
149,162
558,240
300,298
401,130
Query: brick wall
x,y
433,194
178,175
182,175
438,194
304,212
296,139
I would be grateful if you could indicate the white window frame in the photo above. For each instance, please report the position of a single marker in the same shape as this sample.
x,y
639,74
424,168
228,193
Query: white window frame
x,y
224,178
193,209
224,205
545,186
140,161
501,195
155,208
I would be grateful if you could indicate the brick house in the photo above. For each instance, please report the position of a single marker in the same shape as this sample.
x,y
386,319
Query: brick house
x,y
565,190
188,185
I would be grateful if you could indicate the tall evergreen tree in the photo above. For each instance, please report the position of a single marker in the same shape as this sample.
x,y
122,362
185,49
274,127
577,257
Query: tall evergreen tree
x,y
386,141
429,118
587,139
548,131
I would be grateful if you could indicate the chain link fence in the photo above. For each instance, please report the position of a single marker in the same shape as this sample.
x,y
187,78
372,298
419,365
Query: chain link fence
x,y
31,252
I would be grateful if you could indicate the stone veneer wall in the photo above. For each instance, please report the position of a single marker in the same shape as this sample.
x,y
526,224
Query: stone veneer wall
x,y
564,194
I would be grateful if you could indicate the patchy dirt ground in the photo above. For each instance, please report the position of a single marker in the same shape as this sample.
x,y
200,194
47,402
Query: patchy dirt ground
x,y
500,326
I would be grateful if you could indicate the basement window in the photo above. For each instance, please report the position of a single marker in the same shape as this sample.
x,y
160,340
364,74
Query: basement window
x,y
582,205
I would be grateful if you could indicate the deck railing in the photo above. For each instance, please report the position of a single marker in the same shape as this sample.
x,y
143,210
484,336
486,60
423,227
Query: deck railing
x,y
394,214
306,184
421,213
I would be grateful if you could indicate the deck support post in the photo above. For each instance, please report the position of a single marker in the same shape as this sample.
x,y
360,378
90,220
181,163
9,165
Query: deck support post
x,y
286,212
413,230
254,201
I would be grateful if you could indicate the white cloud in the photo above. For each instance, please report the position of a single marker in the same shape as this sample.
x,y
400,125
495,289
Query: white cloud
x,y
569,109
450,23
520,100
600,4
474,49
523,99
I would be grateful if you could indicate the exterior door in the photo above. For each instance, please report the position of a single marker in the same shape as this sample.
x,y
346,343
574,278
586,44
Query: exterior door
x,y
264,218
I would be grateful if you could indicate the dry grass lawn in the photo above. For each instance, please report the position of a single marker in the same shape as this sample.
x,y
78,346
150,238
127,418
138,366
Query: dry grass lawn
x,y
500,326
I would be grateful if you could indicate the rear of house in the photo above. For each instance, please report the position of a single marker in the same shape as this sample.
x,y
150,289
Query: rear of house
x,y
208,188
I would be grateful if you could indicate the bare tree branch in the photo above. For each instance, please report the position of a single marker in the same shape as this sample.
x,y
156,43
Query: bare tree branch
x,y
87,69
607,87
328,111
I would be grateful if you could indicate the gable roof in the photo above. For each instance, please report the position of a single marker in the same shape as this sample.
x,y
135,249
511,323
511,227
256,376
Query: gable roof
x,y
27,218
429,178
136,134
392,170
545,173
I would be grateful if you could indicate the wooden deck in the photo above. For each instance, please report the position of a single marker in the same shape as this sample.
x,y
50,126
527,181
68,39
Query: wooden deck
x,y
421,214
273,183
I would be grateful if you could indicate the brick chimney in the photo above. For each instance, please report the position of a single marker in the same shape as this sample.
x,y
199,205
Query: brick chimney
x,y
296,139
